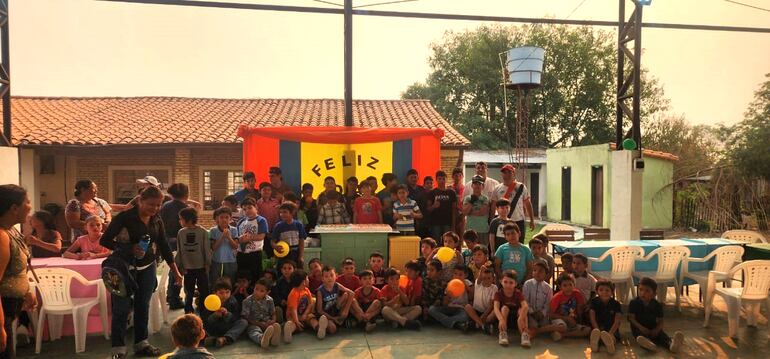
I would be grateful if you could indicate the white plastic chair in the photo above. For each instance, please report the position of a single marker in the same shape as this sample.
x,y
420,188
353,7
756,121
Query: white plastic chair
x,y
54,288
669,260
725,258
756,283
158,306
33,315
623,261
742,235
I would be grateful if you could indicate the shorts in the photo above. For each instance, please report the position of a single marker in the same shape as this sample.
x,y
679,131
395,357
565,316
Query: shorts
x,y
534,323
561,322
365,306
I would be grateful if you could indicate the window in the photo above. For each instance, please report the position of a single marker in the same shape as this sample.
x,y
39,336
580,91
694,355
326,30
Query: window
x,y
219,183
123,181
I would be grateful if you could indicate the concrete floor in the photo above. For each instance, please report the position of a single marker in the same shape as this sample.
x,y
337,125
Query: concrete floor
x,y
436,342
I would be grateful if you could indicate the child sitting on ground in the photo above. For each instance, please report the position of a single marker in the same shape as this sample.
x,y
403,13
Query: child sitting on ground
x,y
511,309
299,309
413,287
567,309
225,325
242,288
605,315
315,278
646,316
333,302
376,263
566,263
348,278
427,245
537,246
450,240
538,294
187,332
432,287
396,306
281,288
260,313
367,306
479,260
471,239
87,246
584,281
482,309
451,313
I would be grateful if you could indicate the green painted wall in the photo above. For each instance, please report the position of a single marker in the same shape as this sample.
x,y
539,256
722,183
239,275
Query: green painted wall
x,y
657,196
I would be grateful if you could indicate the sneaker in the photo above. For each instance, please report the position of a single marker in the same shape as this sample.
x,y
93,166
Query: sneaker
x,y
267,336
209,341
394,324
276,335
646,343
502,339
491,329
413,325
288,331
595,336
609,342
323,322
221,341
148,351
463,326
119,356
525,342
676,343
556,336
370,326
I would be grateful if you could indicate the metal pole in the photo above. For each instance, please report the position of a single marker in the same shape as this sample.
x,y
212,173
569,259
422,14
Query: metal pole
x,y
636,129
5,67
348,63
621,63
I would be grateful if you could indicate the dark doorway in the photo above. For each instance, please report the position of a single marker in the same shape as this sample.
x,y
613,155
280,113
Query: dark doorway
x,y
566,193
597,196
534,192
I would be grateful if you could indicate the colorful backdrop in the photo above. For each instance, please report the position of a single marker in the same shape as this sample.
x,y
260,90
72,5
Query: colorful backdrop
x,y
310,154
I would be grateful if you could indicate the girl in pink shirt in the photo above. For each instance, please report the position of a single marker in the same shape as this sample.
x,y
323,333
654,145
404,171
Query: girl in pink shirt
x,y
87,246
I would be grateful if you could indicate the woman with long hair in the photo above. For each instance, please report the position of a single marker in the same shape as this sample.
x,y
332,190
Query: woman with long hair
x,y
84,205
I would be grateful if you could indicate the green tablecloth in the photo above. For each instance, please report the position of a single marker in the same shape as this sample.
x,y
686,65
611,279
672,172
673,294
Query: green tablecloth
x,y
757,251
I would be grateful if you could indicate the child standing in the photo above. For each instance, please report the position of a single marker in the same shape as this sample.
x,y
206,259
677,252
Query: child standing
x,y
538,294
267,205
231,202
348,278
259,311
281,289
88,244
496,234
511,309
376,263
482,309
224,243
567,308
367,209
225,325
646,316
252,230
309,205
512,255
537,246
405,211
333,302
290,231
333,212
396,306
451,313
479,260
193,256
299,309
476,208
187,332
368,304
605,314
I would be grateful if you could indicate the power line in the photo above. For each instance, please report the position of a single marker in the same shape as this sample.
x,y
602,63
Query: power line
x,y
435,16
748,5
575,9
384,3
328,3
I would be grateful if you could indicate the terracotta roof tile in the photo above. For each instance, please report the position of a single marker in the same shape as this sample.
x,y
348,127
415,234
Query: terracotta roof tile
x,y
654,154
169,120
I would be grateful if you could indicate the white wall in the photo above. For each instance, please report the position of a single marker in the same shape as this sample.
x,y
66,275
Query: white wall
x,y
27,176
9,165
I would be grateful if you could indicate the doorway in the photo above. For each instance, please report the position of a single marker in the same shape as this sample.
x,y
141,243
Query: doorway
x,y
534,192
566,193
597,196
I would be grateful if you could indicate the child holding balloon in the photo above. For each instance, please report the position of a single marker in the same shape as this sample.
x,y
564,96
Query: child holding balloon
x,y
396,308
224,325
448,255
291,234
451,313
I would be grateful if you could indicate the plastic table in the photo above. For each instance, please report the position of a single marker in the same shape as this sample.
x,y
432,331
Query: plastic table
x,y
596,249
358,241
90,269
757,251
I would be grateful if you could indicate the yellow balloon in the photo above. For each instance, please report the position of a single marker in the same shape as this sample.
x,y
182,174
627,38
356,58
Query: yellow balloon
x,y
445,254
212,303
284,249
164,356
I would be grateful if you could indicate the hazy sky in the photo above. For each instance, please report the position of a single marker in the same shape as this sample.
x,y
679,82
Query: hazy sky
x,y
92,48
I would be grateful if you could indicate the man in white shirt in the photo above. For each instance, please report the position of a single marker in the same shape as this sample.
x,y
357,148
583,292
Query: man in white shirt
x,y
523,206
489,183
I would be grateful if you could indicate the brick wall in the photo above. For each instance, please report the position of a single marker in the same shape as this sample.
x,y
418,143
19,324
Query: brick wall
x,y
93,164
450,158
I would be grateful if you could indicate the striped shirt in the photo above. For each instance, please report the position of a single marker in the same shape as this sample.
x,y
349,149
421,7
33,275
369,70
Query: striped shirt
x,y
405,223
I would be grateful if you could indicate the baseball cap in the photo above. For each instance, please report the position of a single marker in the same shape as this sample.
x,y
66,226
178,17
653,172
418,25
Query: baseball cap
x,y
508,167
477,179
149,179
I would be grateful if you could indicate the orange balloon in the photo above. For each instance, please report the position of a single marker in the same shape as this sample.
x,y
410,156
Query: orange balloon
x,y
455,288
403,281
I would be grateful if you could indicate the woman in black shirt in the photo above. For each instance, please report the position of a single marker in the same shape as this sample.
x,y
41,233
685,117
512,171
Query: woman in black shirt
x,y
123,236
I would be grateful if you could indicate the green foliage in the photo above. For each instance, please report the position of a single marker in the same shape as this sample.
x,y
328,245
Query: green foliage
x,y
575,106
696,145
748,140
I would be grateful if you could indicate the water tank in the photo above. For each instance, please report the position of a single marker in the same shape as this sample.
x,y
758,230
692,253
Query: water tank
x,y
524,66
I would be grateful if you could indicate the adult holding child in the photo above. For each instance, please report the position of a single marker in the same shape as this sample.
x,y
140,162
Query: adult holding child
x,y
518,194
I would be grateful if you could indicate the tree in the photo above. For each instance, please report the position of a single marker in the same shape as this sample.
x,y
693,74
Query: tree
x,y
575,106
697,146
748,140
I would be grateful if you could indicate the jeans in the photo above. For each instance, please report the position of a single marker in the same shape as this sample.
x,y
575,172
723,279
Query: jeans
x,y
662,340
251,263
437,231
140,303
193,277
172,290
522,229
11,309
219,270
448,316
227,328
255,333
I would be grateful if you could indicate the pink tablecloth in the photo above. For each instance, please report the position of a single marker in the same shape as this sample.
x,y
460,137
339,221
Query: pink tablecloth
x,y
90,269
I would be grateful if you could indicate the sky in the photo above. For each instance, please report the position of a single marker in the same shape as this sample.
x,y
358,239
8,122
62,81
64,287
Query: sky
x,y
95,48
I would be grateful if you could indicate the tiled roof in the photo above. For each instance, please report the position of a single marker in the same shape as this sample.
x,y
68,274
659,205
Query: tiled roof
x,y
654,154
170,120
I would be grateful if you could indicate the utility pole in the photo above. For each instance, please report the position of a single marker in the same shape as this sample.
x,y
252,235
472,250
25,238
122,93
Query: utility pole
x,y
348,63
5,72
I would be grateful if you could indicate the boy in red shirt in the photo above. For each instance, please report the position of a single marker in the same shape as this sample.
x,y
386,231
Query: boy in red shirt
x,y
510,308
376,263
367,209
367,305
567,308
396,306
348,278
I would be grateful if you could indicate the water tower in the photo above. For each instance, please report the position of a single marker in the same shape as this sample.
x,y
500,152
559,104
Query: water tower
x,y
522,69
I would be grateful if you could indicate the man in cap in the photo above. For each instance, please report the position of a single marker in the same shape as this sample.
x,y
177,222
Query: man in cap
x,y
518,194
249,188
489,183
